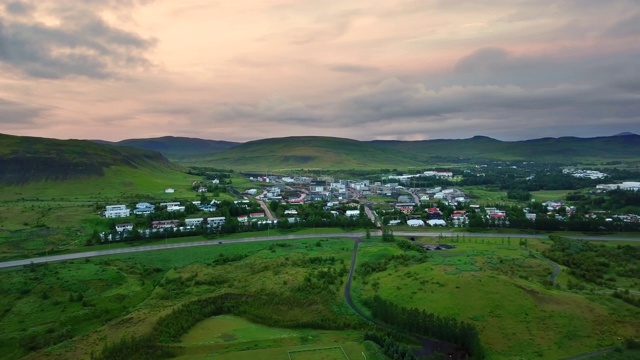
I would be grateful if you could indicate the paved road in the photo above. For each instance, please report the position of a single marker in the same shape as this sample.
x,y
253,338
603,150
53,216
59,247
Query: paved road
x,y
556,267
88,254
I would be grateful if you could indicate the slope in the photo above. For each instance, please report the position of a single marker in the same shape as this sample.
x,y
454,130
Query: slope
x,y
176,148
308,152
563,149
26,159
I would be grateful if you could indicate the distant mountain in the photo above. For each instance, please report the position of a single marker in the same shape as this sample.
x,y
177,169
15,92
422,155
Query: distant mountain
x,y
624,134
24,159
308,152
176,148
563,149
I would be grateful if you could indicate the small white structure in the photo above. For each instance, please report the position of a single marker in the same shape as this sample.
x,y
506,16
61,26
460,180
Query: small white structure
x,y
397,222
116,211
175,208
352,213
437,222
415,222
124,227
193,222
169,191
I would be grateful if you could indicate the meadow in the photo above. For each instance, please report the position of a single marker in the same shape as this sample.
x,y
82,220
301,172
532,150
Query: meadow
x,y
63,310
497,285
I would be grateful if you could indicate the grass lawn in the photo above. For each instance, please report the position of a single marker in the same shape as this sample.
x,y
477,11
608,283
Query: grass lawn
x,y
545,195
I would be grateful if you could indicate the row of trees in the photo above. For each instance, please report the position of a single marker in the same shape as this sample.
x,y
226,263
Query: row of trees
x,y
421,322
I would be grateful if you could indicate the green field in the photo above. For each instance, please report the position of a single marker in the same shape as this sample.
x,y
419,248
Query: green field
x,y
63,310
504,291
231,337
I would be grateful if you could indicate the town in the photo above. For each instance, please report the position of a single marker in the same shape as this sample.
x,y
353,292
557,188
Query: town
x,y
285,202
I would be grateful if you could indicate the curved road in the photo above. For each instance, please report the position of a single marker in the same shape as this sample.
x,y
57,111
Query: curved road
x,y
556,267
87,254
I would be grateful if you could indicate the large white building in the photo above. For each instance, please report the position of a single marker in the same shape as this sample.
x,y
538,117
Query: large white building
x,y
116,211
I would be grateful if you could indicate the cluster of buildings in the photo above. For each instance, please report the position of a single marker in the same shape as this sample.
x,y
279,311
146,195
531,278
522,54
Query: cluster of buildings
x,y
587,174
627,185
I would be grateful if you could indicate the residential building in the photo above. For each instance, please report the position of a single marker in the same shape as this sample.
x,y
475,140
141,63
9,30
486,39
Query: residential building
x,y
216,222
165,224
116,211
193,222
124,227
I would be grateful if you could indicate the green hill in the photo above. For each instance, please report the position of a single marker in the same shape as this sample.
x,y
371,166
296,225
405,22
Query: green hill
x,y
26,159
563,149
308,152
177,148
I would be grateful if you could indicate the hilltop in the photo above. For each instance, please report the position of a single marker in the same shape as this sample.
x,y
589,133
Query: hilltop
x,y
176,148
309,152
24,159
562,149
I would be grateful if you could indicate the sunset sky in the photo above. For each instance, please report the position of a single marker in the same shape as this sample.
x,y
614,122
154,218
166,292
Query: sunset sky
x,y
245,70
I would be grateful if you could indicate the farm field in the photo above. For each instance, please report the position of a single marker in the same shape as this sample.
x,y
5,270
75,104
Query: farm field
x,y
504,291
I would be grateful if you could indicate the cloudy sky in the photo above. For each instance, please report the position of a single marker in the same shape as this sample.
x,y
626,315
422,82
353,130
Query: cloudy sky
x,y
244,70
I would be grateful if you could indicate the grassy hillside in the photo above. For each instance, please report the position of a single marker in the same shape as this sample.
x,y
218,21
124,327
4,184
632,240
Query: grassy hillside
x,y
307,152
24,159
176,148
563,149
52,190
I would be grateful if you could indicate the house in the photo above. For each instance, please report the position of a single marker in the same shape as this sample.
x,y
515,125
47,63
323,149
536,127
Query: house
x,y
243,219
193,222
202,189
116,211
437,222
256,214
434,213
291,212
175,208
165,224
415,222
352,213
169,190
170,204
144,208
215,222
124,227
396,222
406,208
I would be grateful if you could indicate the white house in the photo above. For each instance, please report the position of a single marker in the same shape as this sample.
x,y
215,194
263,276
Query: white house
x,y
193,222
124,227
116,211
352,213
175,208
397,222
216,222
437,222
415,222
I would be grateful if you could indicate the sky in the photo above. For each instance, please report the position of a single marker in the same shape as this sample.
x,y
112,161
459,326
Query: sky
x,y
246,70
